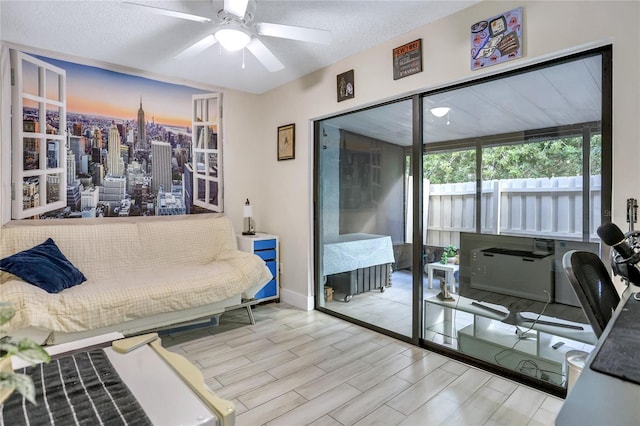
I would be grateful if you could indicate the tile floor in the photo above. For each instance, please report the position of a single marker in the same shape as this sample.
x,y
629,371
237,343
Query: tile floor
x,y
390,309
295,368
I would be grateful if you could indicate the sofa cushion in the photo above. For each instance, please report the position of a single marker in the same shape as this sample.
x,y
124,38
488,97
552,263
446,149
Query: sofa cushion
x,y
44,266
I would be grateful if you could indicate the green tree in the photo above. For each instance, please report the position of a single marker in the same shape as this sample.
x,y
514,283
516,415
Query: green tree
x,y
550,158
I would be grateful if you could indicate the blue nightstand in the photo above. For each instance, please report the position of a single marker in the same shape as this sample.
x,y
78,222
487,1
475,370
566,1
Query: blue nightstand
x,y
266,247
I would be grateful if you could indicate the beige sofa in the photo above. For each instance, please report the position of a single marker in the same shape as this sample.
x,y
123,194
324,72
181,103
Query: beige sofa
x,y
142,274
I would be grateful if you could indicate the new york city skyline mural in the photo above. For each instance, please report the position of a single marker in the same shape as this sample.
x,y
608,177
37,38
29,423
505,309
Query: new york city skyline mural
x,y
116,123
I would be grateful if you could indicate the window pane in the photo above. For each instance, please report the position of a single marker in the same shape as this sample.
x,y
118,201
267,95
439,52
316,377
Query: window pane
x,y
206,110
212,137
212,168
530,132
213,192
31,153
201,183
30,192
366,252
53,120
54,182
30,116
211,108
198,110
53,86
30,78
538,186
504,196
450,194
200,162
53,154
595,185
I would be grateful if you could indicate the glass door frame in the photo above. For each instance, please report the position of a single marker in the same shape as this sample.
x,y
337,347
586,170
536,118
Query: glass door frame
x,y
418,149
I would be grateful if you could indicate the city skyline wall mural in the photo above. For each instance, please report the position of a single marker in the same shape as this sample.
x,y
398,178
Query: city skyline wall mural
x,y
117,125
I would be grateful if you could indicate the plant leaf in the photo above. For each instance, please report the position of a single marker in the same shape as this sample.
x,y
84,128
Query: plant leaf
x,y
9,347
22,384
32,352
6,312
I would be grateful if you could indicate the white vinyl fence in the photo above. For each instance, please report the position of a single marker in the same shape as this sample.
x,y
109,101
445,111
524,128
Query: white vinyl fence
x,y
544,207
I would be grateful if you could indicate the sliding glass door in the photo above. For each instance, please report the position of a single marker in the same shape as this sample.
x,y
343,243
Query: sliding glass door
x,y
364,261
515,170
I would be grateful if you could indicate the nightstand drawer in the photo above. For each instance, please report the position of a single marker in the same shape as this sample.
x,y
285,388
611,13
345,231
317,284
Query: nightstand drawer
x,y
266,254
264,244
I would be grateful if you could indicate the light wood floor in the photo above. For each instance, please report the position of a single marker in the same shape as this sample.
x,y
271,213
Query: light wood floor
x,y
298,368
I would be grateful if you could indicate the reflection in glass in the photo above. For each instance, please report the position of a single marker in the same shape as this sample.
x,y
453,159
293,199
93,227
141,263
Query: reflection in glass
x,y
363,204
503,198
511,302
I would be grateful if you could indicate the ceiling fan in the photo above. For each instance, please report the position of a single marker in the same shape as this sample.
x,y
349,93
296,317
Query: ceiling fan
x,y
234,29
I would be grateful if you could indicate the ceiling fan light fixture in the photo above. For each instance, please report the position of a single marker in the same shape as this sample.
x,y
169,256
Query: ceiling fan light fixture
x,y
440,111
232,39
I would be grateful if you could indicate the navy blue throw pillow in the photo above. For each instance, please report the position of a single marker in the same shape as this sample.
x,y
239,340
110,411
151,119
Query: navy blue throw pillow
x,y
44,266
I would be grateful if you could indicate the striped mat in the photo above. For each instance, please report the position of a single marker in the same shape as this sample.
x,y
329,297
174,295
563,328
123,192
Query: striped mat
x,y
78,389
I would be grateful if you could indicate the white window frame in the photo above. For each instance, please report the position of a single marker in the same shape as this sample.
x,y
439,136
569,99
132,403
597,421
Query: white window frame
x,y
207,114
18,98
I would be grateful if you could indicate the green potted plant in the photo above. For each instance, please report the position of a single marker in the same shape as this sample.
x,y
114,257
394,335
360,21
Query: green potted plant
x,y
26,349
450,252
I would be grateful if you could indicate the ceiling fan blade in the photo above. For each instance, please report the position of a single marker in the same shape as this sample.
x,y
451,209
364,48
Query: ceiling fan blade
x,y
264,55
197,47
236,7
172,13
295,33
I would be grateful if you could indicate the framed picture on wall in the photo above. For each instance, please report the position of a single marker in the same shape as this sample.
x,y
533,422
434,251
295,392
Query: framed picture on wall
x,y
346,86
287,142
497,39
407,59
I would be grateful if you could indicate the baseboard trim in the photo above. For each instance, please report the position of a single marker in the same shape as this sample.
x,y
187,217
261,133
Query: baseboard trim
x,y
298,300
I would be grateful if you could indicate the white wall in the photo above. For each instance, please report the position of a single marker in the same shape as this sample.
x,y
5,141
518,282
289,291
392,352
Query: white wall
x,y
284,190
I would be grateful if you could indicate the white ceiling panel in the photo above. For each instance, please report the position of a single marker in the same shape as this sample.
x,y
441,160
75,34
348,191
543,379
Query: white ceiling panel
x,y
564,94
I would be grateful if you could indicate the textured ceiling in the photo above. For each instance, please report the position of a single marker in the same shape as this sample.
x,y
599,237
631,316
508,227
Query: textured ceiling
x,y
112,32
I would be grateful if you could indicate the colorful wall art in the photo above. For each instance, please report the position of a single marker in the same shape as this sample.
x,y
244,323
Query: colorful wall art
x,y
497,39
